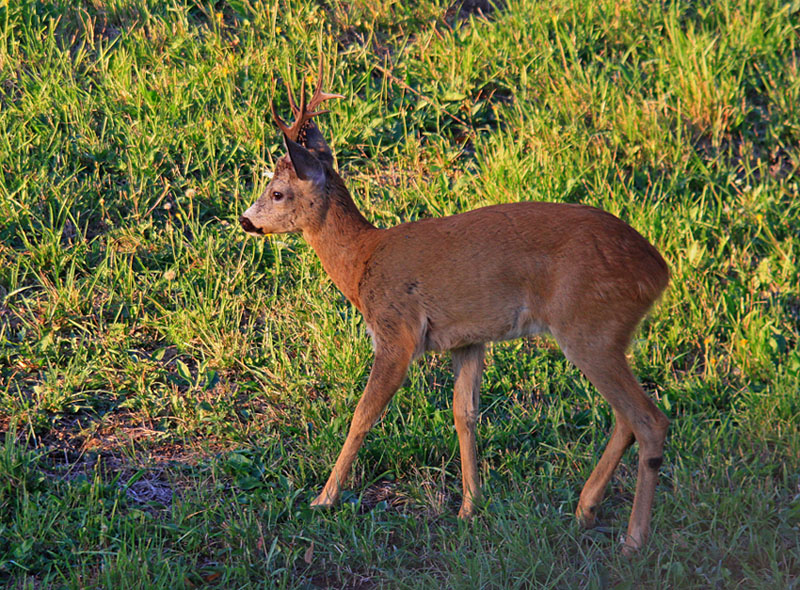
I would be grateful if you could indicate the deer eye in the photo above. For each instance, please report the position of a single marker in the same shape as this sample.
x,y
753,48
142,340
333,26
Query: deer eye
x,y
277,196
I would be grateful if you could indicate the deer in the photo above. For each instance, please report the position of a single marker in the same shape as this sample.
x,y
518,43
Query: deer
x,y
455,283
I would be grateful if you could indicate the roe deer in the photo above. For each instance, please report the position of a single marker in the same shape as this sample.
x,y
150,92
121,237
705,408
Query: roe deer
x,y
495,273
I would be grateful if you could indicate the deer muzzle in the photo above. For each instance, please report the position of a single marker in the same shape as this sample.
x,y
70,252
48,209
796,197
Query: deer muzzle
x,y
248,226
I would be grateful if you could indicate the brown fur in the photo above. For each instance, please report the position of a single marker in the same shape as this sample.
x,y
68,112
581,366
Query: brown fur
x,y
495,273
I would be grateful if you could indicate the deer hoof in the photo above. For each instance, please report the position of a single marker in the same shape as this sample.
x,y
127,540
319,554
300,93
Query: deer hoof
x,y
630,546
322,501
466,512
587,516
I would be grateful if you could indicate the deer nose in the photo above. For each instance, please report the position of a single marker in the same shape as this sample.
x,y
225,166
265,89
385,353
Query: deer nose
x,y
248,226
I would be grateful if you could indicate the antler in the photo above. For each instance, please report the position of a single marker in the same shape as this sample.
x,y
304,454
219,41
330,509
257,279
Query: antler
x,y
305,112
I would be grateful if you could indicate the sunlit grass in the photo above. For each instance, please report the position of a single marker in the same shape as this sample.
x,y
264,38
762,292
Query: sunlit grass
x,y
174,392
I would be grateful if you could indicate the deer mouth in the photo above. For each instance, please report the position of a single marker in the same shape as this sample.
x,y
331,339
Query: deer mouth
x,y
248,226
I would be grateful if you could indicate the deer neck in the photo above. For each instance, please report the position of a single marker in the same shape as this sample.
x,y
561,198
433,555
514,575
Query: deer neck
x,y
341,241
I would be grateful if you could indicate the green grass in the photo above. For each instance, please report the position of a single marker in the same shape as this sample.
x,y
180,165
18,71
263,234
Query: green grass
x,y
174,393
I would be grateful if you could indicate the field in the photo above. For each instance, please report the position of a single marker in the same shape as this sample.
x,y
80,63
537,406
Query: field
x,y
173,393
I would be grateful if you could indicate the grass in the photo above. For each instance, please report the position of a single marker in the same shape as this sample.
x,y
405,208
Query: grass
x,y
174,393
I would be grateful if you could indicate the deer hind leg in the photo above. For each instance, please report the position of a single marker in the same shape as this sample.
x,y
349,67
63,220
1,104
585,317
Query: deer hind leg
x,y
637,414
468,368
385,378
594,489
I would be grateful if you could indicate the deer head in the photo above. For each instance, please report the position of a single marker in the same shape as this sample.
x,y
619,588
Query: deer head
x,y
296,197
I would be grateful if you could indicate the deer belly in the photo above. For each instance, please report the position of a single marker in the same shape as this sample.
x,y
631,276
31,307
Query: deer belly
x,y
446,335
524,324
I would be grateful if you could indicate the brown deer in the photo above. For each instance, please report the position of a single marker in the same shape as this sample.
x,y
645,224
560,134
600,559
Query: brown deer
x,y
495,273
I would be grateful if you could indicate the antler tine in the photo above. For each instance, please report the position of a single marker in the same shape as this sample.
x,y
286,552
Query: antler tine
x,y
303,113
278,121
292,131
319,96
290,94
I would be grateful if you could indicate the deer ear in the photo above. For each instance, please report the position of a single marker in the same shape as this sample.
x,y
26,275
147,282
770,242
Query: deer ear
x,y
316,144
305,164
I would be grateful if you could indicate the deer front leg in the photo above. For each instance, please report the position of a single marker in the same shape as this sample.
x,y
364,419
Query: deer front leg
x,y
468,368
388,371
